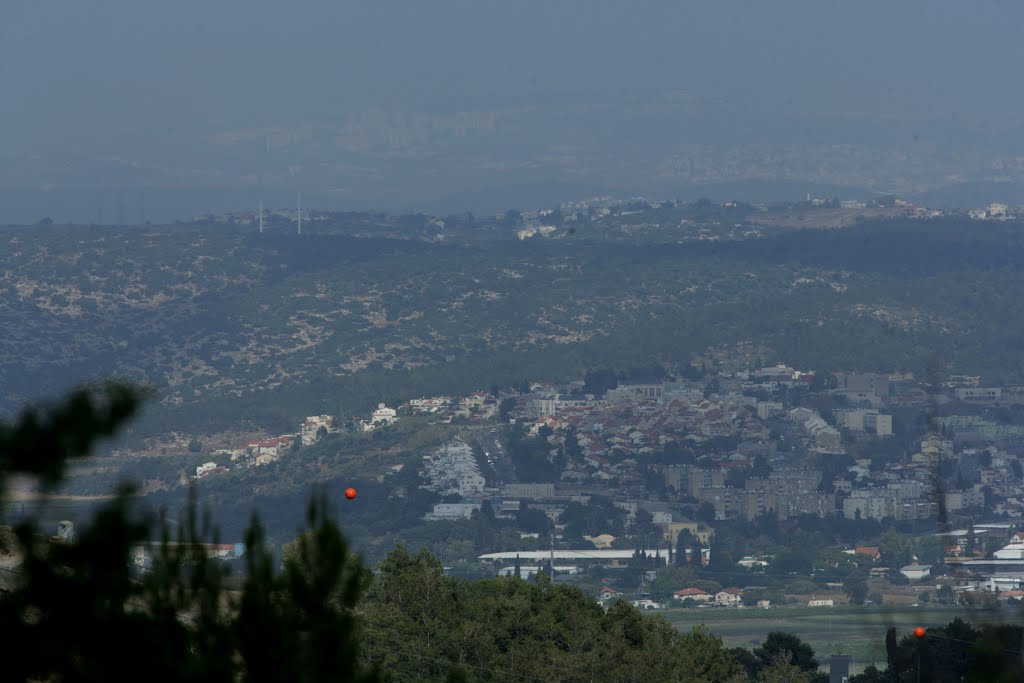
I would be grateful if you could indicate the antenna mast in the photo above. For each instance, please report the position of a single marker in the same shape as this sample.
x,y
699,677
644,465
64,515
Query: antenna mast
x,y
300,212
261,216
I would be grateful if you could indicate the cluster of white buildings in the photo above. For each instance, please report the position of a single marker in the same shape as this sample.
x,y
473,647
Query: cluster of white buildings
x,y
478,405
867,420
631,421
532,230
380,417
310,431
900,500
453,468
208,468
727,597
824,437
1014,550
434,404
996,211
451,511
263,451
780,375
1002,574
256,453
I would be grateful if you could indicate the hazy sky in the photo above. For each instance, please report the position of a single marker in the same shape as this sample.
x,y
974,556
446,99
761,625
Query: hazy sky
x,y
77,77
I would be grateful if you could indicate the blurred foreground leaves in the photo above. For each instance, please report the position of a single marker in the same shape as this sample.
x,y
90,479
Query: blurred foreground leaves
x,y
81,612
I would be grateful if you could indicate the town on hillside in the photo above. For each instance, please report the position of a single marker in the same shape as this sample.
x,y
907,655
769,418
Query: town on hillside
x,y
938,465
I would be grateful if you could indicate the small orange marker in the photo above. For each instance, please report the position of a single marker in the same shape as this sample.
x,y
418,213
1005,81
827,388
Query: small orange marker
x,y
350,493
919,631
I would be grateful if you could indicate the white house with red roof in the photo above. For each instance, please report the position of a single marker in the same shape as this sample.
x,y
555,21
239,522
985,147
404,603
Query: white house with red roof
x,y
729,597
869,550
693,594
383,414
1014,594
268,450
311,427
205,468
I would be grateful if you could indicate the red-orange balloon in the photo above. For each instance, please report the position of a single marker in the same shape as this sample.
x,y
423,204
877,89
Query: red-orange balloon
x,y
350,493
919,631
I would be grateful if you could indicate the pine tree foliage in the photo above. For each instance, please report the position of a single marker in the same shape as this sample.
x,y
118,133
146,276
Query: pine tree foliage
x,y
77,612
418,619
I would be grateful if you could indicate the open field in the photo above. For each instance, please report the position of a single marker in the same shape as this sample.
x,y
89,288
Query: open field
x,y
858,631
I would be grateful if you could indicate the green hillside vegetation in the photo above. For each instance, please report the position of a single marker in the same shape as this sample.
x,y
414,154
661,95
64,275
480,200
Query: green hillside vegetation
x,y
241,330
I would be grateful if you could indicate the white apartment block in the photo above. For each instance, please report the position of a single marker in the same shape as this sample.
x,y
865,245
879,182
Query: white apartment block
x,y
452,468
311,427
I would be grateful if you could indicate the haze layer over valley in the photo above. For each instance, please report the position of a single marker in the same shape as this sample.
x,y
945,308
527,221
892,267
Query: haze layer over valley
x,y
162,113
